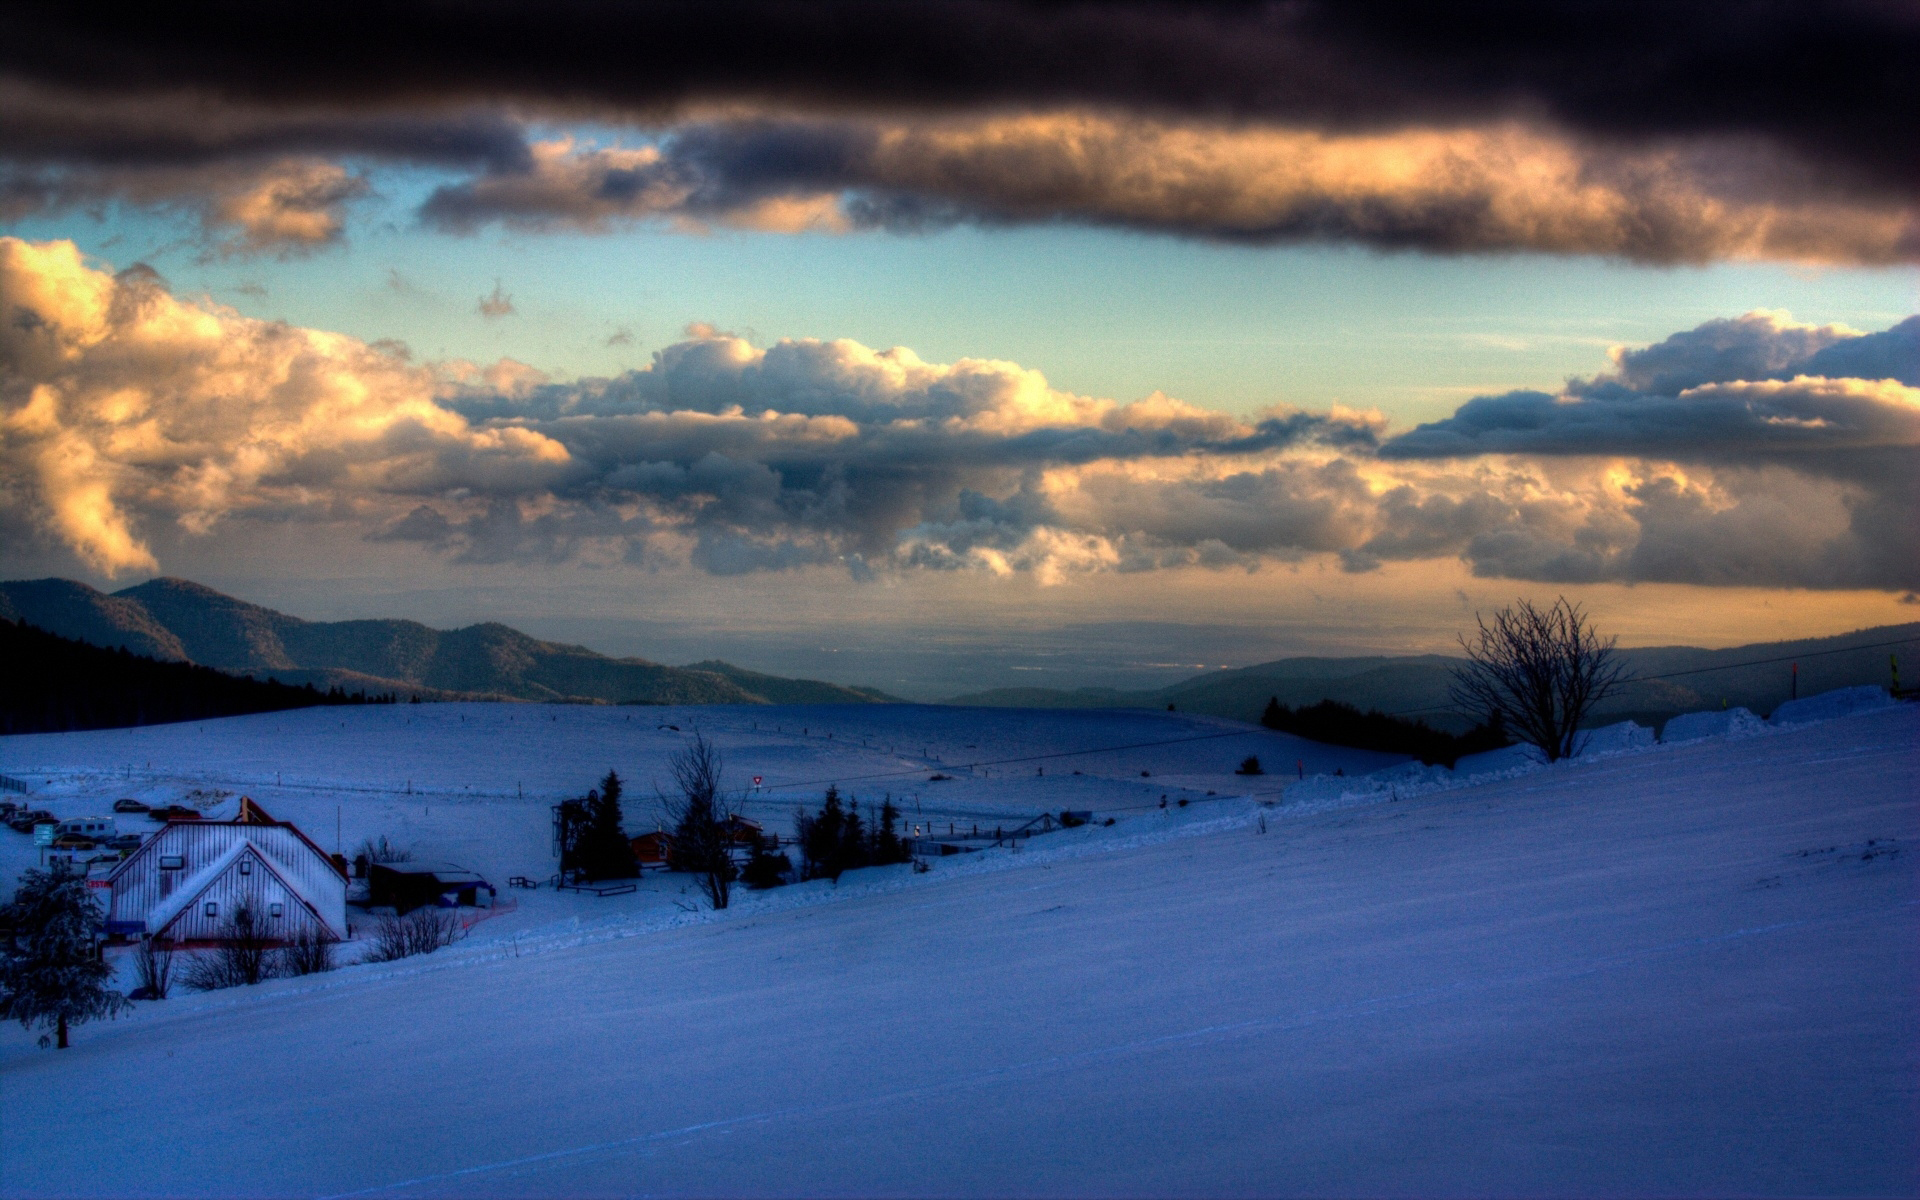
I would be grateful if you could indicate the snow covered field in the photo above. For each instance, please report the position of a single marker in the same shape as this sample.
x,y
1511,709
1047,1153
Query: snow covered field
x,y
473,783
1690,969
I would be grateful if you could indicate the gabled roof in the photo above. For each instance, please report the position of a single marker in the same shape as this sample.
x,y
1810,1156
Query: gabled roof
x,y
194,886
445,872
250,814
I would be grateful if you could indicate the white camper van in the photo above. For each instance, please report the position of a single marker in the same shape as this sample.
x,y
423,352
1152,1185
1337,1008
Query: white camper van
x,y
97,828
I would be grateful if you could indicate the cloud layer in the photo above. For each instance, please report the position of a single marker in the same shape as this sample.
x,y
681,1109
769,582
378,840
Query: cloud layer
x,y
1449,190
1724,130
1749,451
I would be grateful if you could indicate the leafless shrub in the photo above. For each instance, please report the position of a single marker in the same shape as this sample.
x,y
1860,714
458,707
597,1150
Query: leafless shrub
x,y
382,851
153,963
1538,673
309,953
703,827
241,955
421,931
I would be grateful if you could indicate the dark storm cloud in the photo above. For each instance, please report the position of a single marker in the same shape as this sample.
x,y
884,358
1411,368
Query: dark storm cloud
x,y
1444,190
1662,116
1826,78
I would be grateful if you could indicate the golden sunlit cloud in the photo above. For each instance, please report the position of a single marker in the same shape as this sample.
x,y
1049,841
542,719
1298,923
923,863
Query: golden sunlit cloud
x,y
1747,452
1447,189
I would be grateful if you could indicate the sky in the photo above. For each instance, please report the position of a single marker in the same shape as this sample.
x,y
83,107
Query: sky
x,y
900,343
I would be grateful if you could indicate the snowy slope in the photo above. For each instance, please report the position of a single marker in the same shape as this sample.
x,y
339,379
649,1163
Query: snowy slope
x,y
1687,970
473,783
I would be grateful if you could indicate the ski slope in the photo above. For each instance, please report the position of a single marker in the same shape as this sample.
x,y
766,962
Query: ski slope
x,y
1685,970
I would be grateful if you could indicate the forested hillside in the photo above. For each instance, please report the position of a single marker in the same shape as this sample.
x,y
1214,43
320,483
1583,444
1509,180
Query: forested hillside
x,y
51,684
184,621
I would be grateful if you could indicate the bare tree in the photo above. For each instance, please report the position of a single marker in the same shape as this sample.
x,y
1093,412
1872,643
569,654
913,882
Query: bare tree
x,y
421,931
153,963
309,952
241,955
703,825
1538,672
383,851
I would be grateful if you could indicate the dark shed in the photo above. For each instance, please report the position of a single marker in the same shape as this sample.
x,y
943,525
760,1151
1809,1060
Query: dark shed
x,y
406,886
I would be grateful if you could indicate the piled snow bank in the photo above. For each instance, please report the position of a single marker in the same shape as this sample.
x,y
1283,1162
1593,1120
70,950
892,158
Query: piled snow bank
x,y
1613,739
1842,702
1506,758
1726,722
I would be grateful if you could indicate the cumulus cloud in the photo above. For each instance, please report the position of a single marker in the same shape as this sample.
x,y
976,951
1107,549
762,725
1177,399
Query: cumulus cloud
x,y
1736,391
120,403
1444,189
1711,458
1776,474
1479,128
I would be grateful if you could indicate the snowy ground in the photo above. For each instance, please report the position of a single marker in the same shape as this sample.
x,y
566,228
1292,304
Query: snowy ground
x,y
474,783
1689,969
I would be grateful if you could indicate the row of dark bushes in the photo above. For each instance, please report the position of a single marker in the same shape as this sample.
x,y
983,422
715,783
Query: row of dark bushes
x,y
1344,725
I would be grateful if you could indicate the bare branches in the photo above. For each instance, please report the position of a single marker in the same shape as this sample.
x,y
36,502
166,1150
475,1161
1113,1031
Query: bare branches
x,y
1538,672
153,963
421,931
241,955
703,825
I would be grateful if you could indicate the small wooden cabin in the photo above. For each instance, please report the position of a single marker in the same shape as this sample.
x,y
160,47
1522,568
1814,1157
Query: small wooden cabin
x,y
185,882
652,849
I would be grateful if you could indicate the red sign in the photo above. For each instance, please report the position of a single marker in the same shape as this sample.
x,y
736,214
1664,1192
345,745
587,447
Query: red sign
x,y
99,883
756,781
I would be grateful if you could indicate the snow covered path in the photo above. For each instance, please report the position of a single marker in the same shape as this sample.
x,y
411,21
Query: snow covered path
x,y
1687,971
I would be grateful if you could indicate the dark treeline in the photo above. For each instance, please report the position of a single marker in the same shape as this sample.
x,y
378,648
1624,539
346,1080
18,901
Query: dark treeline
x,y
835,839
51,684
1344,725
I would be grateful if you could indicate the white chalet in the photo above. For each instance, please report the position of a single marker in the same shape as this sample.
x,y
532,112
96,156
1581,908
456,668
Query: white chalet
x,y
187,880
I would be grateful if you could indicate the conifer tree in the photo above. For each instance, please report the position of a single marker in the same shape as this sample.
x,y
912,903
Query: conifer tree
x,y
604,851
52,976
887,846
820,838
853,840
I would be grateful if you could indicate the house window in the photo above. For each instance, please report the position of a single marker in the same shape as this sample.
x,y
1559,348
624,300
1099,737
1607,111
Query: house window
x,y
246,866
213,908
276,910
172,862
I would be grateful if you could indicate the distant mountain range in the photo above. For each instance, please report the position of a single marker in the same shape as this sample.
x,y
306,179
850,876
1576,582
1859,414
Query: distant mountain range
x,y
1417,684
180,621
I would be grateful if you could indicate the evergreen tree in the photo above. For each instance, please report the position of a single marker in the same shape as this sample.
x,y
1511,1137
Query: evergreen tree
x,y
820,838
853,840
52,976
603,849
887,846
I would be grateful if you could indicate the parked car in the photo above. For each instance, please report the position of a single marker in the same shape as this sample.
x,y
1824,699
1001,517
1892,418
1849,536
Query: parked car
x,y
174,812
126,841
73,841
23,822
129,806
